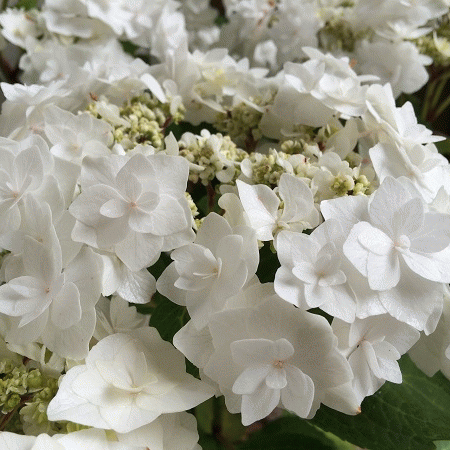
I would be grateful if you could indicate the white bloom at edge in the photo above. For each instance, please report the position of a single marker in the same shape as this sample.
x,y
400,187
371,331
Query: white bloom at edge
x,y
373,346
75,136
215,267
18,24
385,123
311,273
133,286
417,303
275,355
127,382
176,431
399,231
53,305
135,204
117,316
261,205
432,353
25,168
398,63
422,164
71,19
92,439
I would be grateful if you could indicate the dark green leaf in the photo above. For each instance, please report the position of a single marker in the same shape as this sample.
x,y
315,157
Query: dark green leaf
x,y
208,442
268,264
158,268
293,433
444,147
167,317
183,127
409,416
129,47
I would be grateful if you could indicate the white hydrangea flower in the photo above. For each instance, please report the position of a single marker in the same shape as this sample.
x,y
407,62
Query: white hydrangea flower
x,y
133,286
384,122
76,136
311,273
18,25
22,112
117,316
432,353
212,269
92,439
176,431
55,306
261,206
398,63
128,381
274,355
373,346
399,231
422,164
135,204
131,20
419,307
29,168
71,19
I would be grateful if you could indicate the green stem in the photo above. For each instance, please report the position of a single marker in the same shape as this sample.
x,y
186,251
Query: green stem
x,y
218,408
426,103
444,105
4,5
438,91
8,416
211,197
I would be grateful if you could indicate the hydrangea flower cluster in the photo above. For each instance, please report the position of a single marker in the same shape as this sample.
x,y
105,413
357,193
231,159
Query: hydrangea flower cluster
x,y
128,187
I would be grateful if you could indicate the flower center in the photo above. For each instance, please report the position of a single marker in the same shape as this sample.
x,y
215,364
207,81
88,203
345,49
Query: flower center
x,y
278,364
403,242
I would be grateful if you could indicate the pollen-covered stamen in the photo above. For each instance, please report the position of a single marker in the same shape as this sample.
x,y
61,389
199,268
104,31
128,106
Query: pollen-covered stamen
x,y
278,364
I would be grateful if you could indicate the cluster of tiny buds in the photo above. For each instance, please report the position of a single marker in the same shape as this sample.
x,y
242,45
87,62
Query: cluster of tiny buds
x,y
212,152
25,392
145,120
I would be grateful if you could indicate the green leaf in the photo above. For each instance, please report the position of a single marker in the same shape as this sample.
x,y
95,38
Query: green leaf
x,y
167,317
183,127
208,442
293,433
26,4
444,147
268,264
409,416
442,445
129,47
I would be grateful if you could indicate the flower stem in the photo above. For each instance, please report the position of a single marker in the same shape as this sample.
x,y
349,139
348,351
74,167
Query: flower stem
x,y
211,197
4,5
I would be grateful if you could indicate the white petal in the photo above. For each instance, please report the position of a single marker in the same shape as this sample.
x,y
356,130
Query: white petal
x,y
114,208
259,405
276,379
65,310
383,271
67,405
298,395
373,239
287,287
249,380
261,205
137,287
253,352
390,370
138,250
